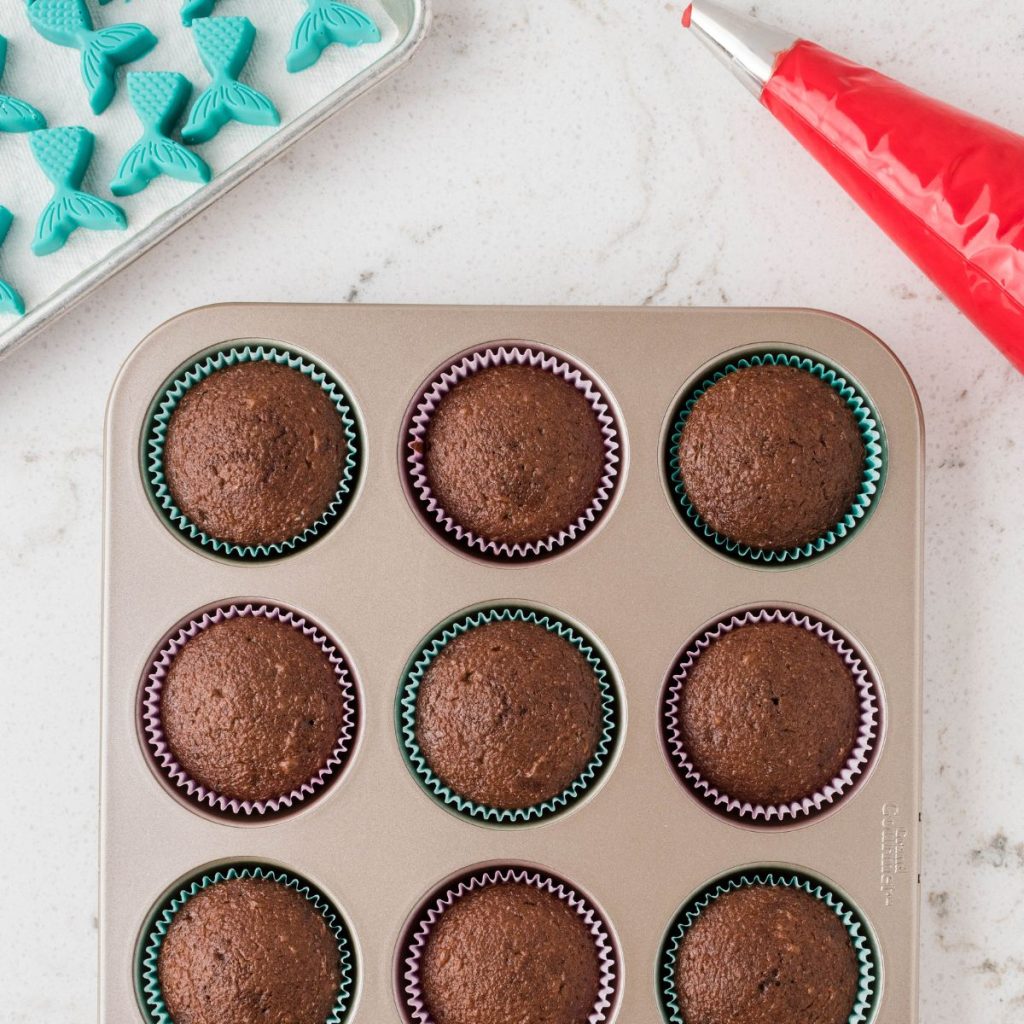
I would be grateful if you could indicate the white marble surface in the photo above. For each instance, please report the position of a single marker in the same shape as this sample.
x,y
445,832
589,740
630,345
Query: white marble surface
x,y
548,151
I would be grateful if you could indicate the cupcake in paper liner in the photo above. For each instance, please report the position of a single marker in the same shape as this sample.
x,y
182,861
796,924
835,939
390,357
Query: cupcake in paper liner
x,y
770,717
508,715
795,951
774,458
512,452
508,943
250,710
252,452
247,936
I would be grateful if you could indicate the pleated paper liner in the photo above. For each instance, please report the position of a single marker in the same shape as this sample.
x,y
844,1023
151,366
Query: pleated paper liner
x,y
405,717
155,436
205,798
150,996
417,934
512,353
865,1005
872,477
813,804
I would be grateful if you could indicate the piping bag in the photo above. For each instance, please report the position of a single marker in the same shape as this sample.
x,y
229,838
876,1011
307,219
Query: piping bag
x,y
946,186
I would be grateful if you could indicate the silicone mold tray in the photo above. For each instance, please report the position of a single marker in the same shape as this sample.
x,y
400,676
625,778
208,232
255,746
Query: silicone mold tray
x,y
642,585
49,76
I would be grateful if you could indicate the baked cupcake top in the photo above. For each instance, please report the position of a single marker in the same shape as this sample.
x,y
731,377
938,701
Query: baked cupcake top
x,y
249,951
514,454
509,714
769,713
771,457
255,453
510,953
767,955
252,708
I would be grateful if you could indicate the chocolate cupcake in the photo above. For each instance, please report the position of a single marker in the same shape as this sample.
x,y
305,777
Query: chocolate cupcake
x,y
775,457
540,963
252,452
507,715
767,950
249,710
509,945
512,452
770,715
248,946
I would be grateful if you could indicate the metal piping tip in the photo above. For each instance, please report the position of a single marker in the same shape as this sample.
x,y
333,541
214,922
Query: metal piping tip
x,y
749,48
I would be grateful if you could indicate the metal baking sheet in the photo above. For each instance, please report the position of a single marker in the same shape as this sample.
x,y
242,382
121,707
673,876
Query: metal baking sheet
x,y
642,584
52,285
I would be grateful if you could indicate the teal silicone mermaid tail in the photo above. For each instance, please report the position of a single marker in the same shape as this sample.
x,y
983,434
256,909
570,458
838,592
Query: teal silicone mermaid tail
x,y
105,52
159,98
10,301
327,22
224,45
64,154
193,9
16,115
69,23
224,102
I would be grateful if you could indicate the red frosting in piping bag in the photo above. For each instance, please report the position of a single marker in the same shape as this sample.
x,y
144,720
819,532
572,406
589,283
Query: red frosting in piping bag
x,y
946,186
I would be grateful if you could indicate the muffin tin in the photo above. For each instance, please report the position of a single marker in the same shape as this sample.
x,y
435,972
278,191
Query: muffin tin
x,y
640,583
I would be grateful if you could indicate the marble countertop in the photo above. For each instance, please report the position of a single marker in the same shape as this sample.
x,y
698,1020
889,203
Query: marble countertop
x,y
549,151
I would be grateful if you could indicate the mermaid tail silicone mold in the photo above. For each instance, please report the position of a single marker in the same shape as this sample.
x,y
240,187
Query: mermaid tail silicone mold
x,y
327,22
64,154
224,45
159,98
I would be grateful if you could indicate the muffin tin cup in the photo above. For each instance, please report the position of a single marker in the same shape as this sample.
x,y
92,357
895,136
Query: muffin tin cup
x,y
203,796
405,718
418,934
871,479
431,396
149,980
863,944
156,435
798,810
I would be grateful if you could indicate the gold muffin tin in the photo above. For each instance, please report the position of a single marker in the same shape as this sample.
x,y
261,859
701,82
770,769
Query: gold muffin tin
x,y
641,583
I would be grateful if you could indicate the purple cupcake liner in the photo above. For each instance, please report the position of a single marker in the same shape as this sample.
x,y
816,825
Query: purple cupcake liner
x,y
413,1003
160,750
502,355
855,765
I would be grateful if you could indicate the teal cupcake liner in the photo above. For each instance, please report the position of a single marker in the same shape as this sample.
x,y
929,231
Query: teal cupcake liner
x,y
154,1006
867,957
405,718
156,435
871,480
